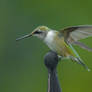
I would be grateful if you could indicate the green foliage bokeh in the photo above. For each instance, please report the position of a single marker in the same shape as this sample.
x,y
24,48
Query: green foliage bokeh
x,y
21,64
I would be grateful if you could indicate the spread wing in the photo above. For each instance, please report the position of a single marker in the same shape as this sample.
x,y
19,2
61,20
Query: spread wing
x,y
73,34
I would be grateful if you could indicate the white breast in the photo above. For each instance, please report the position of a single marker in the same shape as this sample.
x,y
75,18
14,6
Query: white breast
x,y
49,37
49,40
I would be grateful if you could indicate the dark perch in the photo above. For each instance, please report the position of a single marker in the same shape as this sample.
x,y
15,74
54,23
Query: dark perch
x,y
51,62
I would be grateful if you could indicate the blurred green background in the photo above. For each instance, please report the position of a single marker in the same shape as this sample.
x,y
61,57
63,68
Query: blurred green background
x,y
21,64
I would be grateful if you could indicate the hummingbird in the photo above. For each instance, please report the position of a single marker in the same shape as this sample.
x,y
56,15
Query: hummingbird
x,y
62,41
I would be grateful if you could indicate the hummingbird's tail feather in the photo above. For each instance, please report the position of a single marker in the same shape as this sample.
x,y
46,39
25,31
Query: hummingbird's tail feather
x,y
79,61
83,64
77,58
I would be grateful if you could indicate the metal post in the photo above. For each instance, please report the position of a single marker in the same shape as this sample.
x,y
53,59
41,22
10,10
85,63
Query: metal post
x,y
51,62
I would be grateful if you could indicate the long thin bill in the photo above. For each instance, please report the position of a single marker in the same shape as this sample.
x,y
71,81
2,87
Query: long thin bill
x,y
26,36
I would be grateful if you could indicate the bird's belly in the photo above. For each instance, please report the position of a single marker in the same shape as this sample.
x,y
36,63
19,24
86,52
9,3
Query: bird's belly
x,y
60,48
56,43
56,46
53,46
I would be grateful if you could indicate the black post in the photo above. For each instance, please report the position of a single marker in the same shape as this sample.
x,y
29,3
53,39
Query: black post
x,y
51,61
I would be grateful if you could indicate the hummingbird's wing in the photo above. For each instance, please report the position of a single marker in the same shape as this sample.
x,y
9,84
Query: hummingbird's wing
x,y
75,33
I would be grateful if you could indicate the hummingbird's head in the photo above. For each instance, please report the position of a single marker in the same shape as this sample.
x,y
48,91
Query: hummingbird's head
x,y
39,32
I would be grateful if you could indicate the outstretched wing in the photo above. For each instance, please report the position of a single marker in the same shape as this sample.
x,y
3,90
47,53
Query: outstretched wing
x,y
76,33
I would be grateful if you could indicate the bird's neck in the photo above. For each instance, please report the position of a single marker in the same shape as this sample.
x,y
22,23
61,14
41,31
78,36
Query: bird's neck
x,y
50,36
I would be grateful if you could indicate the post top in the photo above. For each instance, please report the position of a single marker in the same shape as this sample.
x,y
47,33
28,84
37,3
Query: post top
x,y
51,60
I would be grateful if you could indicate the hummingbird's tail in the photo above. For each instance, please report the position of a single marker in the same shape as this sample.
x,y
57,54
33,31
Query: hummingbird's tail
x,y
77,58
79,61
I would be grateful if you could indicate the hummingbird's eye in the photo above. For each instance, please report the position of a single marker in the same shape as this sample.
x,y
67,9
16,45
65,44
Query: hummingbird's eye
x,y
37,32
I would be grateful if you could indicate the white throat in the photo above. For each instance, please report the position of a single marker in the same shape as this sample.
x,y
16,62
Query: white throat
x,y
50,36
50,40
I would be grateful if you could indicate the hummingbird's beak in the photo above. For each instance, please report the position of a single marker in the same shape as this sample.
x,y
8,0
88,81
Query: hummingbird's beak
x,y
26,36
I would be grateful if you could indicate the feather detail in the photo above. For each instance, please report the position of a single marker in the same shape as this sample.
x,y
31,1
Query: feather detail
x,y
79,61
75,33
82,45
